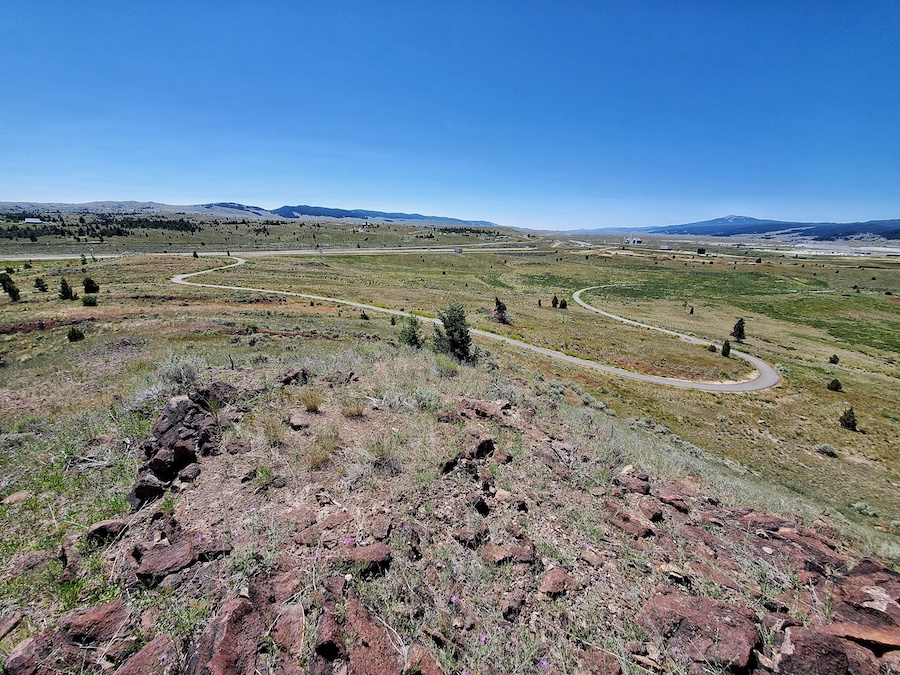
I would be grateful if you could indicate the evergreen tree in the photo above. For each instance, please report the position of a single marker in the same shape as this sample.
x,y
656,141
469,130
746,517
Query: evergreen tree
x,y
738,332
563,304
454,339
411,333
726,348
555,302
500,313
835,385
40,285
12,290
65,290
834,358
848,419
90,286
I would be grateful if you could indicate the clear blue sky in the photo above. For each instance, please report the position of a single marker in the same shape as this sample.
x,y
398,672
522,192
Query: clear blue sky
x,y
538,114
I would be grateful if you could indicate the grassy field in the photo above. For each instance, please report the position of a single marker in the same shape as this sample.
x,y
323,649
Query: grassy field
x,y
159,234
798,314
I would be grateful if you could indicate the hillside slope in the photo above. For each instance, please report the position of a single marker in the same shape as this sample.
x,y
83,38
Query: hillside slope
x,y
381,510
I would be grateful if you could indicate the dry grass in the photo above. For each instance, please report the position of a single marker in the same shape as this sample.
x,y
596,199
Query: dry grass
x,y
312,399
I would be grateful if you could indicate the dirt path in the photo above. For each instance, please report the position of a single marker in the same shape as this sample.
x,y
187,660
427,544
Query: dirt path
x,y
766,377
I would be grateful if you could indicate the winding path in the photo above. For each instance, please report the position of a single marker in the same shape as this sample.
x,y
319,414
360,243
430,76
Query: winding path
x,y
766,375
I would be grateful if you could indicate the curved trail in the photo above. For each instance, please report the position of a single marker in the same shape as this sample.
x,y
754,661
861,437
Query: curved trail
x,y
767,376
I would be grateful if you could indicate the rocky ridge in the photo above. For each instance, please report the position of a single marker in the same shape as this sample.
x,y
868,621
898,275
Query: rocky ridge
x,y
472,568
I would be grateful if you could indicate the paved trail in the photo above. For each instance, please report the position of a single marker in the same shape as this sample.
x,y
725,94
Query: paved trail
x,y
766,375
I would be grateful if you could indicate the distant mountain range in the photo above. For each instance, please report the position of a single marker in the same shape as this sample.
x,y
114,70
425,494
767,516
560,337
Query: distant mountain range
x,y
235,210
731,226
734,226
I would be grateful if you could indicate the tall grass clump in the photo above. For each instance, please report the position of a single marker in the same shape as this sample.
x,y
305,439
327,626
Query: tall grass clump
x,y
312,399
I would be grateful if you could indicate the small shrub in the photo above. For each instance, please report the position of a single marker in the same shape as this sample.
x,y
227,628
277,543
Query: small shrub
x,y
90,286
262,476
446,367
89,301
726,349
353,407
827,450
75,334
835,385
179,370
834,358
848,419
312,399
363,315
711,348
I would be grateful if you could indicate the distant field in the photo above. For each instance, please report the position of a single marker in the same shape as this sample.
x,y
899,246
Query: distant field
x,y
798,314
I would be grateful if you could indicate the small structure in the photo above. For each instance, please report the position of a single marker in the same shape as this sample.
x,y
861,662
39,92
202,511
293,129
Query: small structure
x,y
633,241
33,221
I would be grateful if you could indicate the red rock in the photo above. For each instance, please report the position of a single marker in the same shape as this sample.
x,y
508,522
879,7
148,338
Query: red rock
x,y
289,627
419,661
716,576
381,528
29,561
146,487
673,497
706,631
513,605
374,652
8,623
237,446
469,537
651,509
173,413
371,558
631,523
335,520
160,656
105,530
229,643
496,554
591,557
600,663
47,653
883,639
633,483
298,421
302,517
100,623
808,652
16,498
189,473
870,595
161,560
556,582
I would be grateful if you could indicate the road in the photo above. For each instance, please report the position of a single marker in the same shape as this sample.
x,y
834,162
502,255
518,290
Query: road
x,y
766,375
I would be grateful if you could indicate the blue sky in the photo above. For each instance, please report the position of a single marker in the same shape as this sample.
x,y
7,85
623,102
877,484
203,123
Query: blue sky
x,y
586,114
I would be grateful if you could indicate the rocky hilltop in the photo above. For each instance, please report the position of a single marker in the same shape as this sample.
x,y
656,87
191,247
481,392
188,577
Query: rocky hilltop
x,y
474,535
